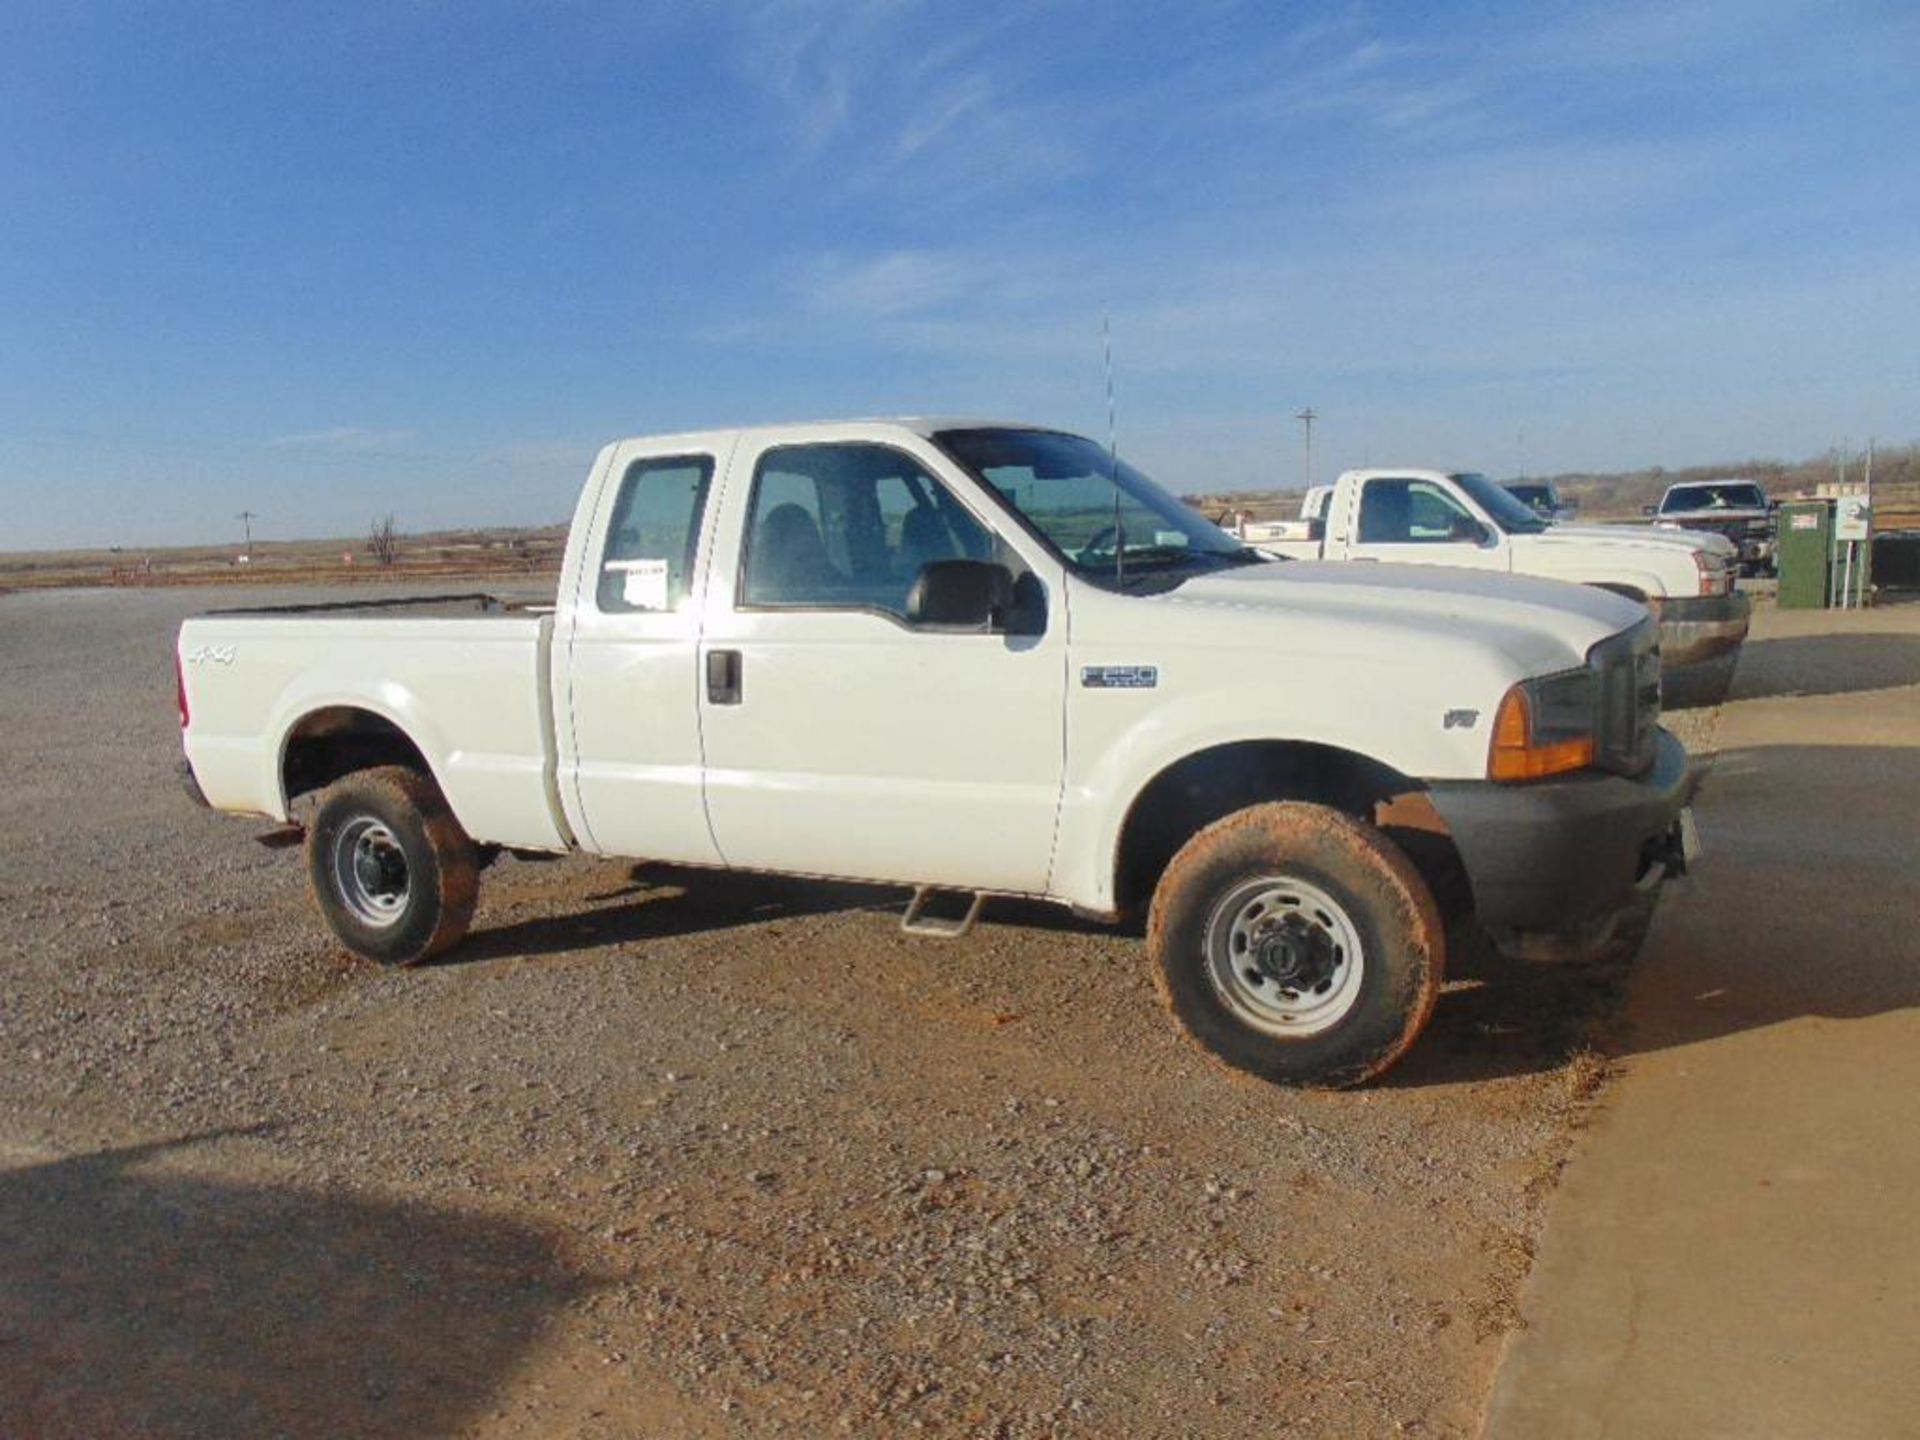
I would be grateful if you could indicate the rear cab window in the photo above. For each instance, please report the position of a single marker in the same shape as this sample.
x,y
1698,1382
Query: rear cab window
x,y
646,563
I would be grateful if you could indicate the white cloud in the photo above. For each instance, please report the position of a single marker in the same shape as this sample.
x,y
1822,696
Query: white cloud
x,y
893,283
349,438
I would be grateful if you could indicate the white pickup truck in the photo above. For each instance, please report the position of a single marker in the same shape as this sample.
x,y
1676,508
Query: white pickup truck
x,y
1437,517
1737,509
979,658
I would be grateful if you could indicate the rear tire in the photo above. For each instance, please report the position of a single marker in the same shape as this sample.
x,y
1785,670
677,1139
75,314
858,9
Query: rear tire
x,y
393,873
1298,944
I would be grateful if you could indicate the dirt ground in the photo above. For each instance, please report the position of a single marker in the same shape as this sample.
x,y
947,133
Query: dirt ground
x,y
666,1153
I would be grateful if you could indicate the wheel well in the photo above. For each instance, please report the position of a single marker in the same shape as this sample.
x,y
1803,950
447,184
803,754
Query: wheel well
x,y
1193,792
339,740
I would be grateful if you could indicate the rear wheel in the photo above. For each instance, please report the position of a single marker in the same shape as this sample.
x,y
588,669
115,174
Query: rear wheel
x,y
1298,944
393,873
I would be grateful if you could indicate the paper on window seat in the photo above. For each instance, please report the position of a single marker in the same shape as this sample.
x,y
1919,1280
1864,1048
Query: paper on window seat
x,y
643,582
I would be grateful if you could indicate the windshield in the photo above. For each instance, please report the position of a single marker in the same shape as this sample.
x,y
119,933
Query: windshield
x,y
1505,511
1110,523
1743,496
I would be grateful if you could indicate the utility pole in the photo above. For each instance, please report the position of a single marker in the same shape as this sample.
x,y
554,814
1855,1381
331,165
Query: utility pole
x,y
1306,417
246,518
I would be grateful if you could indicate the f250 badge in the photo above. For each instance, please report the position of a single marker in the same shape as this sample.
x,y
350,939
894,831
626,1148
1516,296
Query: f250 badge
x,y
1459,719
217,654
1119,677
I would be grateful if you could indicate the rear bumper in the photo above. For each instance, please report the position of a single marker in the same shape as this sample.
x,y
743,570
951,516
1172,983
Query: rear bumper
x,y
190,784
1696,628
1557,854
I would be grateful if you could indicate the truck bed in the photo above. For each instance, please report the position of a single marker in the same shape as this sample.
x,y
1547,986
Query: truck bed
x,y
464,676
468,605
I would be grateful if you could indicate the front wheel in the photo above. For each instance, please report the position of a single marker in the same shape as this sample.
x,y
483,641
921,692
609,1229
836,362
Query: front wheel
x,y
1298,944
394,874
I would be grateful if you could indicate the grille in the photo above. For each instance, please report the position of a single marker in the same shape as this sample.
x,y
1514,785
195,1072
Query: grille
x,y
1627,669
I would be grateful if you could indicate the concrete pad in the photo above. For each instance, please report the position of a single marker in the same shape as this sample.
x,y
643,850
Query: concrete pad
x,y
1736,1250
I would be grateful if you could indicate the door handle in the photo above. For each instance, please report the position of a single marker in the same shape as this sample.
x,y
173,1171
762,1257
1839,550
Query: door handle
x,y
723,677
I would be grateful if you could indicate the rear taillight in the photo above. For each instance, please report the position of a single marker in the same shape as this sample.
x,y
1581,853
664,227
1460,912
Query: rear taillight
x,y
1714,576
180,688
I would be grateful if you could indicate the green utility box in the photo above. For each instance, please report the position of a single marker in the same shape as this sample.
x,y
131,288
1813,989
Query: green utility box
x,y
1804,547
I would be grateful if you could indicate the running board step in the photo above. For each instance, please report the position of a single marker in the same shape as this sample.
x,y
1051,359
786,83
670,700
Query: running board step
x,y
917,922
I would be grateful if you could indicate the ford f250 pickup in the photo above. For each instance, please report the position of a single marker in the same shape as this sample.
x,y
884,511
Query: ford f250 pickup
x,y
992,660
1465,521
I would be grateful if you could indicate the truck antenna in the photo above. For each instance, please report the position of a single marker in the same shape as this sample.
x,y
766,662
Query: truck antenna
x,y
1113,456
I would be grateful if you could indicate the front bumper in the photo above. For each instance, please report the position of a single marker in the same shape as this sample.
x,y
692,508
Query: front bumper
x,y
1556,854
1695,628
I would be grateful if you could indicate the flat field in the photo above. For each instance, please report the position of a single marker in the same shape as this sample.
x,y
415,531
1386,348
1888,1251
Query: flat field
x,y
670,1153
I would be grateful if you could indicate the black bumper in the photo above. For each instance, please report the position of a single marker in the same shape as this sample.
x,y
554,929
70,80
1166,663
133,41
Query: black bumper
x,y
1555,854
1694,628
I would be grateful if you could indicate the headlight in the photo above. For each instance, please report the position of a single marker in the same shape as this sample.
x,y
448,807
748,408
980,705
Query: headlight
x,y
1544,727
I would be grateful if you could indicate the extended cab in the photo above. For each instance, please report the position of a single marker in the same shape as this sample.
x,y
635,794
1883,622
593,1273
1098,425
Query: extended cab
x,y
1463,520
985,659
1736,509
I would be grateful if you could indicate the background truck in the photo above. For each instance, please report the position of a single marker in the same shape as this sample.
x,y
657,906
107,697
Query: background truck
x,y
1735,509
1466,521
1542,497
981,659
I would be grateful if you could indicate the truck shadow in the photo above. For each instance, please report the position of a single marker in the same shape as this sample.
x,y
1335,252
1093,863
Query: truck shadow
x,y
659,901
138,1297
1826,665
1803,907
1501,1017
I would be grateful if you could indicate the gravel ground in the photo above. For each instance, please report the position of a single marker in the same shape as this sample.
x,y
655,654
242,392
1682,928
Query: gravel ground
x,y
667,1153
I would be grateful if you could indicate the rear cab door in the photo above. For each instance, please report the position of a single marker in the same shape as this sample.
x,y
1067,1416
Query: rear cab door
x,y
628,742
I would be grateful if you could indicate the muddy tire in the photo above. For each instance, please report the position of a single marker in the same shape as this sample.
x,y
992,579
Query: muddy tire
x,y
393,873
1297,944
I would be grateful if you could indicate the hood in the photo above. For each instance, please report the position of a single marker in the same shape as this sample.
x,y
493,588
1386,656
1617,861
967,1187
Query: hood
x,y
1541,625
1634,535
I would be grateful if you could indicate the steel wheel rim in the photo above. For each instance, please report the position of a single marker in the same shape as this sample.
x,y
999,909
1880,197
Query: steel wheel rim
x,y
370,872
1284,956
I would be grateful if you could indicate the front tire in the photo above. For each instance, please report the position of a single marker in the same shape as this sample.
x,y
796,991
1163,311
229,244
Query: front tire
x,y
394,874
1297,944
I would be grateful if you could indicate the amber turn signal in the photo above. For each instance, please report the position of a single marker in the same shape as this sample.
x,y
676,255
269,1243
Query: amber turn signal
x,y
1517,756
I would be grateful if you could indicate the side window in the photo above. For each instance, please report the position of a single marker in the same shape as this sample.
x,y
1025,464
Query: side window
x,y
647,564
849,527
1409,512
923,523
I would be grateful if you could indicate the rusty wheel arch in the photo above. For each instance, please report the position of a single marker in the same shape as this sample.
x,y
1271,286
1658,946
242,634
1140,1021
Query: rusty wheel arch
x,y
334,741
1210,784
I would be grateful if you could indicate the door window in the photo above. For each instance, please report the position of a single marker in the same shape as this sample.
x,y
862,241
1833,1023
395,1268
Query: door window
x,y
849,527
1412,512
649,555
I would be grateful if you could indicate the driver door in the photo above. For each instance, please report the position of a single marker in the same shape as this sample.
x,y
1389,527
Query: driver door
x,y
1422,522
840,739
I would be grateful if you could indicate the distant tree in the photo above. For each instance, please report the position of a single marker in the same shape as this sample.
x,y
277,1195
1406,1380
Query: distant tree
x,y
381,542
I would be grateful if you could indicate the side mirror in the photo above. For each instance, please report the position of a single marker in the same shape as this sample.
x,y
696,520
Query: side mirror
x,y
1649,510
960,595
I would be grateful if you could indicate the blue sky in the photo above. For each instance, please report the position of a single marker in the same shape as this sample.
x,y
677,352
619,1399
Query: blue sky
x,y
325,262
